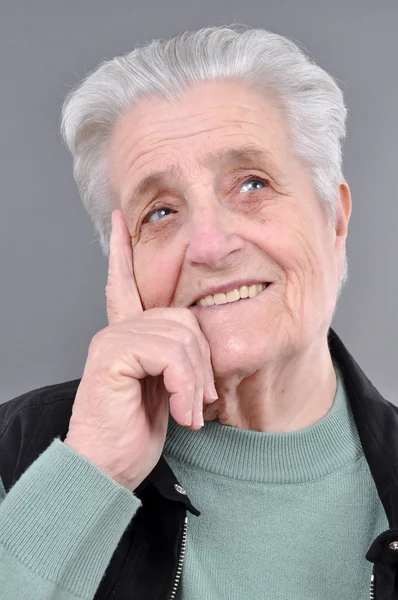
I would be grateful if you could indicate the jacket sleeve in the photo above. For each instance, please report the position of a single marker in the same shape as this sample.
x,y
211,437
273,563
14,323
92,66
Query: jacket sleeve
x,y
60,524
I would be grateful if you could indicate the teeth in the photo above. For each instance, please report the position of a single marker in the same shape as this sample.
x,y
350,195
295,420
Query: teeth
x,y
244,291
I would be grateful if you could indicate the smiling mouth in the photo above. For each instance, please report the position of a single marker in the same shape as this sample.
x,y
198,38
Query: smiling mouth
x,y
225,302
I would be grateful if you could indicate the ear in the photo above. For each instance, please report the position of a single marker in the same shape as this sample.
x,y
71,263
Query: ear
x,y
343,214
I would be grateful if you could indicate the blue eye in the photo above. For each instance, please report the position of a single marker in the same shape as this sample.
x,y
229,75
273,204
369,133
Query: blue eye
x,y
249,182
158,210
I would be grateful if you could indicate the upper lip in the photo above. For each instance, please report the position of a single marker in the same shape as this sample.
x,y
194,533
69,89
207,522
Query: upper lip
x,y
226,287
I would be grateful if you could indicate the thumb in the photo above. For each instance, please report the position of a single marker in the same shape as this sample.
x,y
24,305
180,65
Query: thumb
x,y
122,297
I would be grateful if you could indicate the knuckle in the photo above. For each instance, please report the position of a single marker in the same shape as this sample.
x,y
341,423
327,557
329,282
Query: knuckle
x,y
96,341
100,338
183,315
188,337
102,342
178,349
190,317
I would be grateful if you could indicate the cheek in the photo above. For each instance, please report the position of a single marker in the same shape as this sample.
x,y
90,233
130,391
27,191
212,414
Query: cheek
x,y
293,244
307,275
286,239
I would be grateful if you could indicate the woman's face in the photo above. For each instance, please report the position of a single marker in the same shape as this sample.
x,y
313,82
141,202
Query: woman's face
x,y
229,202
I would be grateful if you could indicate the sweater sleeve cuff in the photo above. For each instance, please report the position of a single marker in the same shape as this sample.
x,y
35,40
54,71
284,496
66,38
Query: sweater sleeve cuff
x,y
64,518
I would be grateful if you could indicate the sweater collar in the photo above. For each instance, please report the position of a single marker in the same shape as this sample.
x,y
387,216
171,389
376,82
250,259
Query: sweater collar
x,y
300,456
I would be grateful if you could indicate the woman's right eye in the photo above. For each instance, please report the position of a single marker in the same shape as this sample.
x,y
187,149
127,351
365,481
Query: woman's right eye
x,y
153,212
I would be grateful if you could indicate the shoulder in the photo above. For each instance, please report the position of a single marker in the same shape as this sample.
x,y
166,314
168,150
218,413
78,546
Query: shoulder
x,y
54,398
30,422
393,406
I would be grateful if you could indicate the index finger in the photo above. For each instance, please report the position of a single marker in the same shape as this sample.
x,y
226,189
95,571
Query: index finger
x,y
122,298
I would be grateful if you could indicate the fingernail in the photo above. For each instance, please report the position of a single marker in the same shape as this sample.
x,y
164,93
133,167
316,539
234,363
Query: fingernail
x,y
212,392
188,418
201,421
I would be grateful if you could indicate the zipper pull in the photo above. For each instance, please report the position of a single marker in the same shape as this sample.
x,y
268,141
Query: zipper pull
x,y
372,585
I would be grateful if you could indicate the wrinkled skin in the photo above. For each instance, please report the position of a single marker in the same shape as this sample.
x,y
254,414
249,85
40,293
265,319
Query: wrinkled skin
x,y
272,366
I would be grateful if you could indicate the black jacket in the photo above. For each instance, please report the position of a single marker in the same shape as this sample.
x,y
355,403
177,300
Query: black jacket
x,y
149,558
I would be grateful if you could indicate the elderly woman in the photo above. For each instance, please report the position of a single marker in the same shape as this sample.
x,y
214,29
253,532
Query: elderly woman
x,y
222,442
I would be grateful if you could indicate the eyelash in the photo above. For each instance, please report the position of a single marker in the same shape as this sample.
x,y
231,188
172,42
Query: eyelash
x,y
240,183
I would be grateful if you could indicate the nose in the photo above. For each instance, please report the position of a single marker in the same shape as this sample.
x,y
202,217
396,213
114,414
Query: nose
x,y
211,233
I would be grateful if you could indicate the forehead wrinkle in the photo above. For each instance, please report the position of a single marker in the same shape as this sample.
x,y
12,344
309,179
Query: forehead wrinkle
x,y
153,143
151,139
150,136
247,154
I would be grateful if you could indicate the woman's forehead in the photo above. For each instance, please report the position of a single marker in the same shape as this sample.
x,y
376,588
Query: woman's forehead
x,y
235,125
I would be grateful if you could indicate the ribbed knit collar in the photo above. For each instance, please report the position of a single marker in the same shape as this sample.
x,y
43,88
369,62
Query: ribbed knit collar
x,y
268,457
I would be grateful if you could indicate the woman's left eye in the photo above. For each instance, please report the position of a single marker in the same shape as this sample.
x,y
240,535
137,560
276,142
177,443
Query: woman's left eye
x,y
249,184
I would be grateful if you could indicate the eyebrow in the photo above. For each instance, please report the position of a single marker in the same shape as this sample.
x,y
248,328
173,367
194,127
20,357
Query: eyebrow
x,y
247,156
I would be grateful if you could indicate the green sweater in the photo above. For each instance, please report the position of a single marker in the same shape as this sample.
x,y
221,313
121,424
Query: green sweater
x,y
283,516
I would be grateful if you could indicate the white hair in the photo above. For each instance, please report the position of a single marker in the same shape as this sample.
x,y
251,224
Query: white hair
x,y
311,100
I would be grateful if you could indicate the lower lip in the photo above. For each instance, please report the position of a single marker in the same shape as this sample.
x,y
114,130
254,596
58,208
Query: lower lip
x,y
199,307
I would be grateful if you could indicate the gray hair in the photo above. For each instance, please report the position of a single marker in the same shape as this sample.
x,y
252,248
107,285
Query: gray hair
x,y
311,100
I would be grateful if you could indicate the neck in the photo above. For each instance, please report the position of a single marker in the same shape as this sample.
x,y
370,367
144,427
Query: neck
x,y
278,398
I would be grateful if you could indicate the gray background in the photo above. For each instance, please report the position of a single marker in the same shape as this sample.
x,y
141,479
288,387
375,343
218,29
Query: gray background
x,y
53,275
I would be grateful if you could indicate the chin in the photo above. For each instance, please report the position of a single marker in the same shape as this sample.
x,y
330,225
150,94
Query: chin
x,y
236,357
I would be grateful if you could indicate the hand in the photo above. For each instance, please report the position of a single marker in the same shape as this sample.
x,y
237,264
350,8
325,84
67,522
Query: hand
x,y
121,409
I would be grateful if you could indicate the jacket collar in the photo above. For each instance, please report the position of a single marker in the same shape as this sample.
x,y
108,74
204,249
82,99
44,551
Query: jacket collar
x,y
377,423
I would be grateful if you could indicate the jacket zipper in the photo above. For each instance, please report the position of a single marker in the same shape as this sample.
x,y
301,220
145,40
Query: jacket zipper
x,y
372,584
181,559
182,556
